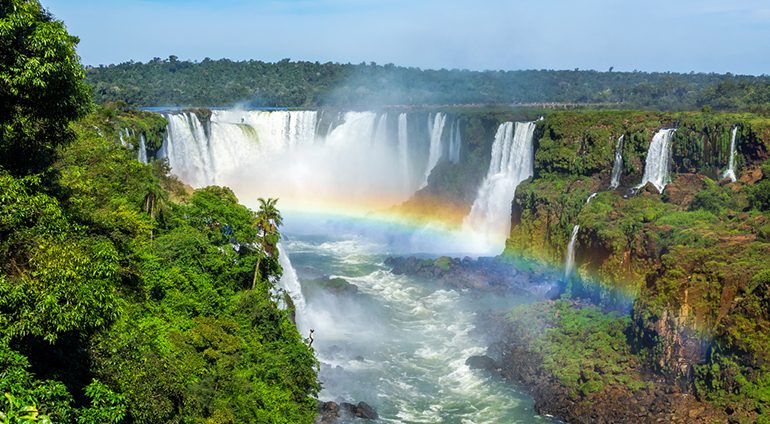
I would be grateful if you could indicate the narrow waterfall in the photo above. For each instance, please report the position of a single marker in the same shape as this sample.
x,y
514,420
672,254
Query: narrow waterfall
x,y
617,168
569,262
591,197
142,154
658,160
436,128
290,284
403,149
512,162
730,173
455,142
381,135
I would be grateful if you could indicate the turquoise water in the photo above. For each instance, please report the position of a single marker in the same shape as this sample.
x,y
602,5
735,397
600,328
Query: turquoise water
x,y
401,344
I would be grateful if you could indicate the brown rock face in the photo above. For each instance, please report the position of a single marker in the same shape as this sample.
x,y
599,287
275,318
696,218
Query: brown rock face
x,y
751,177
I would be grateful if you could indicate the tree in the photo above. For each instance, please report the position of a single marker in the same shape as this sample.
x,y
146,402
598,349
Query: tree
x,y
268,221
41,86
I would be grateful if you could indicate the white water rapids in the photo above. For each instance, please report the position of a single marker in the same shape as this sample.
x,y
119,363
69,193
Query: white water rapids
x,y
400,344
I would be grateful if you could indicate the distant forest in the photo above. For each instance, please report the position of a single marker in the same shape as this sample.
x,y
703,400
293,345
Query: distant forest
x,y
172,82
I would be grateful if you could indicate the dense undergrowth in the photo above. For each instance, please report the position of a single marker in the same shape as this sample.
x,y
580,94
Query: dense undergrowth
x,y
124,298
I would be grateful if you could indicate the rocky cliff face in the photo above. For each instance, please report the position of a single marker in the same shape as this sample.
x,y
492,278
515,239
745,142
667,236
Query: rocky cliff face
x,y
691,261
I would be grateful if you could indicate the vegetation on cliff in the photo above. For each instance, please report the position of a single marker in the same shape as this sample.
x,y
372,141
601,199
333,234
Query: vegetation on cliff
x,y
691,263
123,298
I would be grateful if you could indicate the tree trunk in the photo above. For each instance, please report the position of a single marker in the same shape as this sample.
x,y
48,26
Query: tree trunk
x,y
256,270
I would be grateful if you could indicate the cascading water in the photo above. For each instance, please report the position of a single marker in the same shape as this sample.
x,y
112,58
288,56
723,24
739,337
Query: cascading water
x,y
617,167
436,128
142,154
569,261
403,149
279,154
591,197
187,149
730,173
512,162
290,284
455,141
402,340
381,135
658,160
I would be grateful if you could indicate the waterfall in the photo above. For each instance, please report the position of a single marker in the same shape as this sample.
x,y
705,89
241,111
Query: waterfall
x,y
512,162
569,262
730,173
591,197
455,142
279,154
617,168
357,127
658,160
381,135
142,155
436,128
290,284
187,150
403,149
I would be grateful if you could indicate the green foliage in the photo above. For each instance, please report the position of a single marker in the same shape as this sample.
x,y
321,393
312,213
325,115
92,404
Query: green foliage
x,y
583,348
727,383
443,262
286,83
759,195
42,86
14,412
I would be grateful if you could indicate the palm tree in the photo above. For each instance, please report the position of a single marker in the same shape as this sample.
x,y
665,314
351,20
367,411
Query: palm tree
x,y
268,221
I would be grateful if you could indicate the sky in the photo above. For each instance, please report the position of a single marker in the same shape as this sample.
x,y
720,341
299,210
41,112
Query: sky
x,y
646,35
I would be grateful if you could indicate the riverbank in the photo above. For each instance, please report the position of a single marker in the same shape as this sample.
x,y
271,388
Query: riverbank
x,y
577,363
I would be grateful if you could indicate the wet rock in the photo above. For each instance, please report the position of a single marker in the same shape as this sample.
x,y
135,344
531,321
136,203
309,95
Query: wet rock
x,y
482,362
366,411
332,412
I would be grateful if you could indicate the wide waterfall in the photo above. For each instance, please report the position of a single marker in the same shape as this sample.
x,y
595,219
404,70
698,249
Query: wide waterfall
x,y
512,162
617,167
730,173
363,158
435,128
398,342
569,261
658,160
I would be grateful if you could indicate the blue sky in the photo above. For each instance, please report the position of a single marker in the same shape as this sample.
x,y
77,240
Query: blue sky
x,y
674,35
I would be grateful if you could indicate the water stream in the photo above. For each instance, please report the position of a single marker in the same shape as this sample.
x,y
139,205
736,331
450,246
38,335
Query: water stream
x,y
401,344
730,173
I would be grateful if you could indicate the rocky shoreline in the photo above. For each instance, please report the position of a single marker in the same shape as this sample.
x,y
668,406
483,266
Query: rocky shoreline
x,y
508,354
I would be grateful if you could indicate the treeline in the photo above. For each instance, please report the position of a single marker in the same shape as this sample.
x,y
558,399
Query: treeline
x,y
172,82
124,297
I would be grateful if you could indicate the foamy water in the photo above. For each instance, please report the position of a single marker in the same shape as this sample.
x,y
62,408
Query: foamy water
x,y
402,343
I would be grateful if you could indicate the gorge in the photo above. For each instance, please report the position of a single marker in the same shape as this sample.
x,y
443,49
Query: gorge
x,y
330,168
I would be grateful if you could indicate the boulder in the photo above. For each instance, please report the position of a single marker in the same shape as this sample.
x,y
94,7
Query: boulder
x,y
481,362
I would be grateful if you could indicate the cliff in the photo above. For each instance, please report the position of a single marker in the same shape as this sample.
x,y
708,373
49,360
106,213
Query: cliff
x,y
691,262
